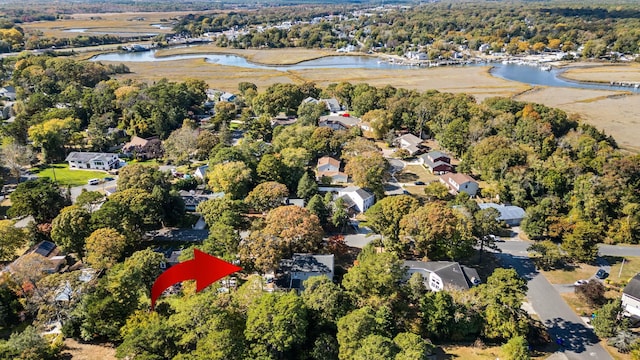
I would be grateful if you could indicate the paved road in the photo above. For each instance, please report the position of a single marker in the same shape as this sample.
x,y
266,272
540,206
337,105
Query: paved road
x,y
580,341
76,190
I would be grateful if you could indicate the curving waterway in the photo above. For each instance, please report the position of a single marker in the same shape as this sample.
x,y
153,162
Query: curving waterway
x,y
521,73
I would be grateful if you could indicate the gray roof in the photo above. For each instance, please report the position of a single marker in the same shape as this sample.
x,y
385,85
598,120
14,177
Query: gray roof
x,y
411,139
433,165
308,263
436,154
507,212
452,274
88,156
346,121
633,287
347,201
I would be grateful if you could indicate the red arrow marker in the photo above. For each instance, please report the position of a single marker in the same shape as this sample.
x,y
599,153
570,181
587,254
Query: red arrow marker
x,y
204,269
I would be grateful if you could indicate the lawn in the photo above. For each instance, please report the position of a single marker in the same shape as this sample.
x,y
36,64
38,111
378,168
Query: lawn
x,y
570,275
630,268
67,177
412,173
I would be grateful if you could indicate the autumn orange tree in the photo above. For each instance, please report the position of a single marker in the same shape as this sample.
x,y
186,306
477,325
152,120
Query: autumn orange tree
x,y
288,229
439,232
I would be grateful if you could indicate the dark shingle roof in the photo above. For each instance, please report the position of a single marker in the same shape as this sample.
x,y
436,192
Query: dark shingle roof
x,y
633,287
308,263
452,274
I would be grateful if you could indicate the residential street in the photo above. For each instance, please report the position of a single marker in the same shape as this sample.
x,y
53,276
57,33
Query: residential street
x,y
580,341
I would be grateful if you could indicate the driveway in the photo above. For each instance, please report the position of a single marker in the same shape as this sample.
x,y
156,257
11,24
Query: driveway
x,y
76,190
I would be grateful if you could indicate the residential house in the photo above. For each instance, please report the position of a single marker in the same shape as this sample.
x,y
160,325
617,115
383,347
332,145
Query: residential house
x,y
332,104
201,172
149,148
47,250
460,183
357,199
8,92
509,214
410,142
443,275
437,162
327,163
170,258
296,202
631,297
92,160
341,122
303,266
193,198
310,100
228,97
283,120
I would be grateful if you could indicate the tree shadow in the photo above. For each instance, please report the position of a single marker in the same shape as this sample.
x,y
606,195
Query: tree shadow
x,y
522,264
575,336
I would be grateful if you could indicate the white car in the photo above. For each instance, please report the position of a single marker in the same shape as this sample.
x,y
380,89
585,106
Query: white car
x,y
93,181
580,282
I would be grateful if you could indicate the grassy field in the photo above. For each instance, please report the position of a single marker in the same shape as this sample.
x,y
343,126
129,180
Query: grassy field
x,y
67,177
612,111
571,275
106,22
604,73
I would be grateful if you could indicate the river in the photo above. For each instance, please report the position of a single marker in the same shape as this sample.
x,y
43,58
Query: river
x,y
521,73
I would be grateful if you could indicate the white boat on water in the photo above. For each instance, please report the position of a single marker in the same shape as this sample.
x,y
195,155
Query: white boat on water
x,y
545,68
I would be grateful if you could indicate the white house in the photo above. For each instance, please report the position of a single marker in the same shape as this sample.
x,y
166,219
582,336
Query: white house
x,y
511,215
332,104
327,163
443,275
460,183
8,92
201,172
357,199
329,167
631,297
92,160
228,97
410,142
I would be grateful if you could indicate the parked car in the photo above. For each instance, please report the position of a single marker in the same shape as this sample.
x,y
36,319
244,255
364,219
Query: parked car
x,y
580,282
108,178
419,183
93,181
601,274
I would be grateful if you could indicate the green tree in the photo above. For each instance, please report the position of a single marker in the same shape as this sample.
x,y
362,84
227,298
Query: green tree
x,y
339,216
70,228
11,239
326,301
232,178
375,347
181,145
147,336
582,243
89,200
438,311
608,321
317,207
223,241
412,347
380,121
267,195
276,324
307,187
223,210
28,345
486,227
549,255
39,198
517,348
353,328
104,248
375,278
439,232
502,297
385,215
436,190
